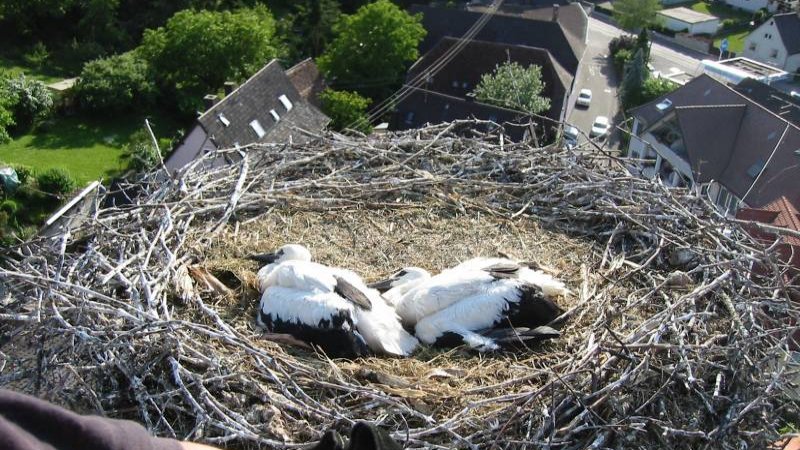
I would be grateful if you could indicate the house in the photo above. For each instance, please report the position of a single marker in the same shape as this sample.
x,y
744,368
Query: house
x,y
560,29
689,20
308,81
267,108
735,70
772,6
552,37
446,96
779,213
776,42
740,147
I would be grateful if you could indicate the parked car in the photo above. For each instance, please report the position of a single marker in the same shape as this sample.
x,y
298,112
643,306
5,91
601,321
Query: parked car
x,y
571,137
584,98
599,127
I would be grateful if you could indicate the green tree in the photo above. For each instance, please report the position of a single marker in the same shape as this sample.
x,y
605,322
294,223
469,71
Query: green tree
x,y
6,120
652,88
515,87
197,51
141,153
28,99
115,84
346,110
371,49
635,76
312,26
636,14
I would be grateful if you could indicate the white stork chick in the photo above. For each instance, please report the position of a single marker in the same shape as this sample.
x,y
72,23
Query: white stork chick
x,y
485,303
327,306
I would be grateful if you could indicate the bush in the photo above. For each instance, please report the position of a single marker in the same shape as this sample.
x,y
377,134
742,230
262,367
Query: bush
x,y
141,154
727,24
10,207
37,56
24,173
759,16
29,100
621,59
115,84
346,110
55,181
623,42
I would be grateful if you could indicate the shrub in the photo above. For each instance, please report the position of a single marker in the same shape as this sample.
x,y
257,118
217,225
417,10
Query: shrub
x,y
24,173
115,84
727,24
759,16
55,181
346,110
621,59
10,207
37,56
141,154
623,42
29,100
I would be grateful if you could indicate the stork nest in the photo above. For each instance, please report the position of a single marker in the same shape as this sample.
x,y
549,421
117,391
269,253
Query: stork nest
x,y
675,336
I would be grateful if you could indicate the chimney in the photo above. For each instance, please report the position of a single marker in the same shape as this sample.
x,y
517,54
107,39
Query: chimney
x,y
209,101
229,87
555,12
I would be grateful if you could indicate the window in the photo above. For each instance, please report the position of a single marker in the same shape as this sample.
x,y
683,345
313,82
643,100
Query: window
x,y
773,53
409,117
752,46
286,102
223,119
258,128
274,115
465,85
756,168
666,103
455,83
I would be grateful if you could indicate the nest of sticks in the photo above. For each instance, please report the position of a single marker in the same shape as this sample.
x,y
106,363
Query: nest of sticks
x,y
675,334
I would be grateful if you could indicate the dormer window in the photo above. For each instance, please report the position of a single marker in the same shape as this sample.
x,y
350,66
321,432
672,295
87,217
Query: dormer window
x,y
286,102
274,115
256,126
756,168
223,119
666,103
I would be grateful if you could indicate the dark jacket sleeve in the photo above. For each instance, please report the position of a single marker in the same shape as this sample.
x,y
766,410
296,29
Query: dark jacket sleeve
x,y
27,423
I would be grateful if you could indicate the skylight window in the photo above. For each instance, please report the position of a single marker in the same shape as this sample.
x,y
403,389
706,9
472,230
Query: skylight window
x,y
666,103
223,119
258,128
756,168
274,115
286,102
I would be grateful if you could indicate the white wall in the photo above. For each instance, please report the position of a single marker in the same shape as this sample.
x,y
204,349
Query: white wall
x,y
792,63
764,44
709,27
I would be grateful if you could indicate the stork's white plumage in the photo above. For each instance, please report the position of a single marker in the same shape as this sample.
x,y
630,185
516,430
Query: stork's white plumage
x,y
476,298
327,306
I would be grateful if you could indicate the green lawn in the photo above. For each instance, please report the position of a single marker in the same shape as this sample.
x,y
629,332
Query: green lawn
x,y
722,11
89,148
735,41
47,74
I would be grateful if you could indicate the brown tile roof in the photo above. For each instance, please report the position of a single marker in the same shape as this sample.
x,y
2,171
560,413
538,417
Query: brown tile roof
x,y
778,213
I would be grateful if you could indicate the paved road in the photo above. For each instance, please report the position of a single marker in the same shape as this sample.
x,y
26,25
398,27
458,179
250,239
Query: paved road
x,y
597,74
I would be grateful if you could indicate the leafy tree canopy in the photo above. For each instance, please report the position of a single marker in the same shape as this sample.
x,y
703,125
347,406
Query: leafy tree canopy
x,y
371,49
197,51
27,99
346,110
636,14
515,87
115,84
635,76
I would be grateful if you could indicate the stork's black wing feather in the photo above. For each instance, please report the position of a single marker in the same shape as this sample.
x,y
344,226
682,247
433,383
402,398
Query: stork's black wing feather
x,y
503,270
351,293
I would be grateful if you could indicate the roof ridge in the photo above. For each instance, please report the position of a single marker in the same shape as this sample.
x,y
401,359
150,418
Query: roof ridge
x,y
272,61
733,105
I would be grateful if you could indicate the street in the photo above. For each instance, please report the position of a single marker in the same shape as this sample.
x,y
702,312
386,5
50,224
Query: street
x,y
596,73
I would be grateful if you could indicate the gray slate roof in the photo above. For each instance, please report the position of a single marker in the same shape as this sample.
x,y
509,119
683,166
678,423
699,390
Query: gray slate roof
x,y
501,28
726,134
788,25
777,101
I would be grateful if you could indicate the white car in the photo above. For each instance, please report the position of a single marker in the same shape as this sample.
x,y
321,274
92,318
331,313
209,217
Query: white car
x,y
599,127
584,98
571,137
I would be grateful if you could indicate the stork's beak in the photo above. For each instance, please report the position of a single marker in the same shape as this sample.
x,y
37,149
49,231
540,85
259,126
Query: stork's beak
x,y
265,258
382,285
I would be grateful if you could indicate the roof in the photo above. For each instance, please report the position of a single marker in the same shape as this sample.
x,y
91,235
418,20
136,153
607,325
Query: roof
x,y
788,25
777,101
247,111
779,213
422,106
254,100
501,28
752,151
687,15
63,85
307,79
477,58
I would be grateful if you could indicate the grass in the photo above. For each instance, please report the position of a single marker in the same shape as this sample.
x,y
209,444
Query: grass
x,y
89,148
722,11
735,41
